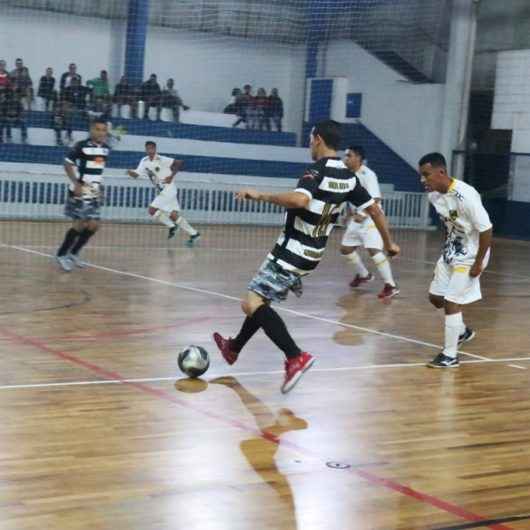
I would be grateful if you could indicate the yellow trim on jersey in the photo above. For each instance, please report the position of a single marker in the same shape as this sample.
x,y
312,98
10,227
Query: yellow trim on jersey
x,y
452,185
461,268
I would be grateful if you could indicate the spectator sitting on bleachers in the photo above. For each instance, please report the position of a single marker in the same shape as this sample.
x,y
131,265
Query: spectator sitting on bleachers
x,y
22,83
62,120
170,99
231,108
262,103
276,109
151,96
125,94
243,106
100,109
99,87
46,89
12,115
5,82
67,77
76,95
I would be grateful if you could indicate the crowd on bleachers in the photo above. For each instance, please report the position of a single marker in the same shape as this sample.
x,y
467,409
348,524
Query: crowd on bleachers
x,y
71,98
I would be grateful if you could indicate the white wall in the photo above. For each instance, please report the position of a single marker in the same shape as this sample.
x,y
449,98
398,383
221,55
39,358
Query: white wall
x,y
205,67
406,117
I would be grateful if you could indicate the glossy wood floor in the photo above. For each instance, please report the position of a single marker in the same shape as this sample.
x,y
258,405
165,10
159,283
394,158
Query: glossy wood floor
x,y
99,430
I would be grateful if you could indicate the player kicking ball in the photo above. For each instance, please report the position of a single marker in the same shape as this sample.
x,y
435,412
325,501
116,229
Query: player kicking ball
x,y
161,171
84,167
361,230
312,212
465,254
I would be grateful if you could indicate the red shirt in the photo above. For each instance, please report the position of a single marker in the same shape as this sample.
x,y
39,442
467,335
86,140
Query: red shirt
x,y
4,80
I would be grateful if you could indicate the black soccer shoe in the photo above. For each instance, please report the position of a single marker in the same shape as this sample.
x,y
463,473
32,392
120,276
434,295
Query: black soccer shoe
x,y
468,335
172,232
444,361
191,241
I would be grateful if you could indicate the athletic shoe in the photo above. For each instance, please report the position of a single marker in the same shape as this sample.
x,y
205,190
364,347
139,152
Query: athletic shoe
x,y
225,347
389,291
468,335
359,280
444,361
294,370
172,232
65,263
77,261
192,239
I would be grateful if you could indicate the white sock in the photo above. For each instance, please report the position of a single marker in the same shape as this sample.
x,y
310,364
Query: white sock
x,y
383,266
453,327
163,218
186,226
357,264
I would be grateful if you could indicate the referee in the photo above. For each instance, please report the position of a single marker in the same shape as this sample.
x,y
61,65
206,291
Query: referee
x,y
84,167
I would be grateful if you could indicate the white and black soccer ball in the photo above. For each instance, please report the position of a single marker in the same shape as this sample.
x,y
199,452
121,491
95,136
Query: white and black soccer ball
x,y
194,361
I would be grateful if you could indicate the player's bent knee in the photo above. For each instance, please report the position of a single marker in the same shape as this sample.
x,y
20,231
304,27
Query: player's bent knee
x,y
152,211
437,301
174,216
372,251
346,251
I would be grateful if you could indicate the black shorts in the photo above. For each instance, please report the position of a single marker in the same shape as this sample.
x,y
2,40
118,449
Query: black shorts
x,y
81,209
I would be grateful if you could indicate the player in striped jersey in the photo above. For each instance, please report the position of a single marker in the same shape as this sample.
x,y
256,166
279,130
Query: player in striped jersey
x,y
84,167
312,211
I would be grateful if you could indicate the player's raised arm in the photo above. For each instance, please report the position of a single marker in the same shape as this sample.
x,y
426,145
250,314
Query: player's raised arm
x,y
175,167
288,199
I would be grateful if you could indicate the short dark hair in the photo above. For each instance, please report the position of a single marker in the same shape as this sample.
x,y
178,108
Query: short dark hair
x,y
330,132
150,142
435,159
97,121
358,150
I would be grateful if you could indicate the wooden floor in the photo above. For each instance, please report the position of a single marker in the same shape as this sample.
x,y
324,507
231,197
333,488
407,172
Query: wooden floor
x,y
99,430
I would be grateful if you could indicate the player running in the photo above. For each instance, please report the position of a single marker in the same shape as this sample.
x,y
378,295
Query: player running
x,y
161,170
361,230
465,254
312,211
84,167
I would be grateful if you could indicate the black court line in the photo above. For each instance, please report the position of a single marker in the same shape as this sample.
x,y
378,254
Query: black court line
x,y
487,523
85,298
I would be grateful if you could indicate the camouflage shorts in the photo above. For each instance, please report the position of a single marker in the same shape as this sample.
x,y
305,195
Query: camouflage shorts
x,y
274,283
82,209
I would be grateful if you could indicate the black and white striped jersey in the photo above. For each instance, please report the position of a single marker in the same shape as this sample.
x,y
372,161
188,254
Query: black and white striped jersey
x,y
329,184
90,159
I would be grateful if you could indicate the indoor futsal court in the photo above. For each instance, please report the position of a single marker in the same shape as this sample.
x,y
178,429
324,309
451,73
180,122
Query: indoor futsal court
x,y
101,431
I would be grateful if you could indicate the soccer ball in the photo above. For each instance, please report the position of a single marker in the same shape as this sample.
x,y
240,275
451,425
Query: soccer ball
x,y
194,361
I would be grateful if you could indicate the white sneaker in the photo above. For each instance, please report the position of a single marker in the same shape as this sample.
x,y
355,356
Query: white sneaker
x,y
77,261
65,263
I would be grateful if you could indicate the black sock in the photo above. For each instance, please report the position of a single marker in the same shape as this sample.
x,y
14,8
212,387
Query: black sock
x,y
86,234
69,240
249,328
275,328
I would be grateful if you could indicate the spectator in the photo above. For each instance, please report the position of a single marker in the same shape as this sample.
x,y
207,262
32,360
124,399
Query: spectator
x,y
243,106
67,77
22,83
12,115
100,87
151,96
231,108
100,109
276,109
62,120
76,95
5,82
262,110
125,94
46,88
171,100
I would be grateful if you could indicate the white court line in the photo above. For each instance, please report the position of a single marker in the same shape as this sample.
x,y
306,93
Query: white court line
x,y
233,298
251,374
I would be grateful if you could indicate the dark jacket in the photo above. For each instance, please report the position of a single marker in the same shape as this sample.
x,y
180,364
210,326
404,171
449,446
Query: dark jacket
x,y
46,86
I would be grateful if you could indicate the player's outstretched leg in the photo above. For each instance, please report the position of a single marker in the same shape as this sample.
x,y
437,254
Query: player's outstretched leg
x,y
164,219
362,275
390,289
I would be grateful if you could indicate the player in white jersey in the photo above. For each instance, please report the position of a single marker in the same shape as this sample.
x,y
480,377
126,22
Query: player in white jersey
x,y
161,170
465,253
362,232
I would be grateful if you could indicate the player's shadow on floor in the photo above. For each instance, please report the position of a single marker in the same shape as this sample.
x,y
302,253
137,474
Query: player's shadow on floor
x,y
260,451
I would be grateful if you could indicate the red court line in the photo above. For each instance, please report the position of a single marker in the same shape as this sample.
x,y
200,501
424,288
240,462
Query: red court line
x,y
166,396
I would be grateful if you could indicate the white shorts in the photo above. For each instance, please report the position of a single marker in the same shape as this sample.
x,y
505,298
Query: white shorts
x,y
363,234
167,200
454,283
